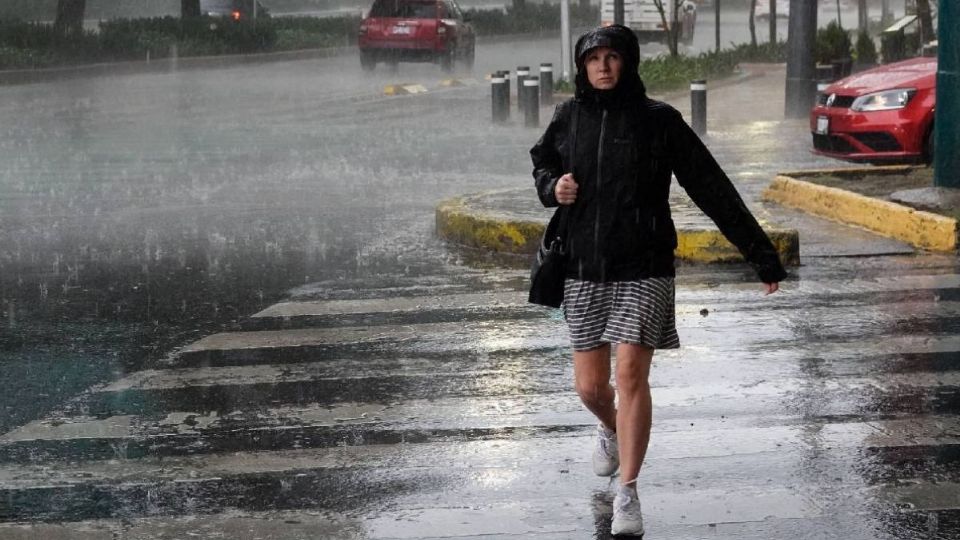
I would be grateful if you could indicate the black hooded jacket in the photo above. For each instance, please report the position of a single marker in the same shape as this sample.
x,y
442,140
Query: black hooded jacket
x,y
622,148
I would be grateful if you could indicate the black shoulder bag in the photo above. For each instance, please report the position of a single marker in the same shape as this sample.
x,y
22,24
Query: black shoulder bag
x,y
549,268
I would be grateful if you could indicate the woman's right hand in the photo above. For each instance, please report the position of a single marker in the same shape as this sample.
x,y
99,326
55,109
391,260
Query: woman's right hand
x,y
566,189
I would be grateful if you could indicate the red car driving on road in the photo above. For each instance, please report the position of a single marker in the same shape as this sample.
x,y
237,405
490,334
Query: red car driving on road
x,y
416,31
882,115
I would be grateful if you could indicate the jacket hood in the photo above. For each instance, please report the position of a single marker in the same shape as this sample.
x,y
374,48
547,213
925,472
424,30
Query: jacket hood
x,y
624,41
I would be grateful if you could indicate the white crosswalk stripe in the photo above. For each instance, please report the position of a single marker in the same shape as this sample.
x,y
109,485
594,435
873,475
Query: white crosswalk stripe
x,y
816,405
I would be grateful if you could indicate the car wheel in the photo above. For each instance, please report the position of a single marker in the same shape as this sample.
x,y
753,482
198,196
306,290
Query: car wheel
x,y
368,60
928,147
446,60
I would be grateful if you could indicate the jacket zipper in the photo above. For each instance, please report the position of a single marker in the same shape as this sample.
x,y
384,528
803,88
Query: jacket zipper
x,y
596,223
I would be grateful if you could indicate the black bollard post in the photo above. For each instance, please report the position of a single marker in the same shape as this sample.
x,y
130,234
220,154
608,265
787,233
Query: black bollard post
x,y
505,73
500,98
522,73
531,107
546,83
698,106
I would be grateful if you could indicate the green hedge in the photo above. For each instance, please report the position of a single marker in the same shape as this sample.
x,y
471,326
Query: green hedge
x,y
665,73
134,38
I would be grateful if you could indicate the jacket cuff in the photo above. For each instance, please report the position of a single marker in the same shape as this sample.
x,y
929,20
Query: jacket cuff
x,y
771,273
549,195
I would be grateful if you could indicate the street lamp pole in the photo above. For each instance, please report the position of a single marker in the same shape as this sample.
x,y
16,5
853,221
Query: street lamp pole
x,y
801,85
946,166
565,61
716,18
773,21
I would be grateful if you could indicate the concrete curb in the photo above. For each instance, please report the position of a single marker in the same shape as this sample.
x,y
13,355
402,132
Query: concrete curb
x,y
708,245
921,229
460,222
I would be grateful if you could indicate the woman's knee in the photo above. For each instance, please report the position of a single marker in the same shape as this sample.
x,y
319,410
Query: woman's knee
x,y
594,392
633,368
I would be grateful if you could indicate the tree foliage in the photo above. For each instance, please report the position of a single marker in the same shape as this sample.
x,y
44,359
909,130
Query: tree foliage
x,y
833,43
69,20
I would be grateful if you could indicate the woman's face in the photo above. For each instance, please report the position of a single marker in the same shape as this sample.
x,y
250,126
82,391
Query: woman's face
x,y
603,67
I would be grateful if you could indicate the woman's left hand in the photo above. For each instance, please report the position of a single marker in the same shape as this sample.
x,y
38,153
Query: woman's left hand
x,y
771,288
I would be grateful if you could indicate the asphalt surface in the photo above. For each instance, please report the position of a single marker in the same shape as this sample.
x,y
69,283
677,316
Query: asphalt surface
x,y
404,389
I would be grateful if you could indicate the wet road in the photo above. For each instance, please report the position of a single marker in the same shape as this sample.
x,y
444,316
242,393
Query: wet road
x,y
405,390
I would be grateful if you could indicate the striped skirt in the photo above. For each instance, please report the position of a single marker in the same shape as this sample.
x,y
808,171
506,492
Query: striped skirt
x,y
638,312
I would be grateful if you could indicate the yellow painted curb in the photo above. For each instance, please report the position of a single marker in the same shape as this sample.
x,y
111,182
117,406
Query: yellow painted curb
x,y
449,83
403,89
456,222
921,229
710,246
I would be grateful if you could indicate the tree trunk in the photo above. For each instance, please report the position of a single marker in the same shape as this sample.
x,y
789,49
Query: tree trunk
x,y
926,21
862,15
670,31
676,29
69,21
753,25
189,8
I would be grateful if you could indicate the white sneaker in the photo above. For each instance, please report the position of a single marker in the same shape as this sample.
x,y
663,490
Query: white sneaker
x,y
627,517
606,456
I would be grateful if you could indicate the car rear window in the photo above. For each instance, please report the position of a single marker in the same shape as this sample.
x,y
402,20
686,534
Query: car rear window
x,y
404,9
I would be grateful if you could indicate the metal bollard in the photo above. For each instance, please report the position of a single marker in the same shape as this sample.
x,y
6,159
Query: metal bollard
x,y
531,107
546,83
522,73
698,106
505,73
500,98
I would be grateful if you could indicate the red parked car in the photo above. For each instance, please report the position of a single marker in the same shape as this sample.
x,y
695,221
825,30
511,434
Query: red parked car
x,y
882,115
416,31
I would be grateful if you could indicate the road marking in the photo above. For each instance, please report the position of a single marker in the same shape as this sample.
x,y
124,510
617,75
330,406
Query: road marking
x,y
404,89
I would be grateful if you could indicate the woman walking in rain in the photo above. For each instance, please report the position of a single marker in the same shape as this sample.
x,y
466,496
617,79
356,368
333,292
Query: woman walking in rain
x,y
608,155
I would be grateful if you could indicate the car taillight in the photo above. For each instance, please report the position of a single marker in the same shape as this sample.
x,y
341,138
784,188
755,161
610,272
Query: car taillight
x,y
236,15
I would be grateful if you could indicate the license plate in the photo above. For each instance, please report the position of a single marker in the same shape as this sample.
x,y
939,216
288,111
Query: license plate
x,y
401,30
823,125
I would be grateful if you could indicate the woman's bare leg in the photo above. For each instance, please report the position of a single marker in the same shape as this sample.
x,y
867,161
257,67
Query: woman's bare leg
x,y
634,416
591,371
